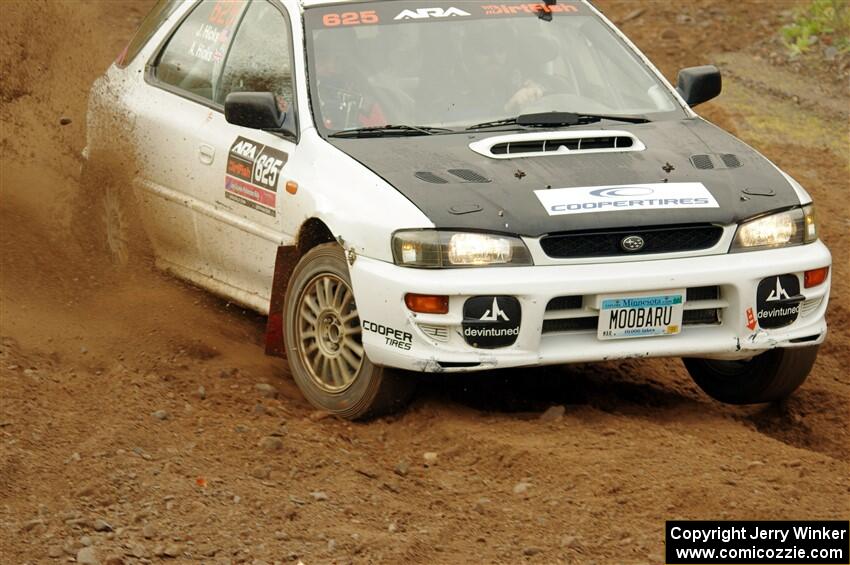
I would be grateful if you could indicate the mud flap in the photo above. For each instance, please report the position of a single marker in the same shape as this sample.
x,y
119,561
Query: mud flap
x,y
287,258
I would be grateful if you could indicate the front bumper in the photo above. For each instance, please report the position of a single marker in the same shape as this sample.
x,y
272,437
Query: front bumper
x,y
394,336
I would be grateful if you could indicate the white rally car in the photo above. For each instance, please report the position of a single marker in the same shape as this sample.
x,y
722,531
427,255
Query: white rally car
x,y
454,186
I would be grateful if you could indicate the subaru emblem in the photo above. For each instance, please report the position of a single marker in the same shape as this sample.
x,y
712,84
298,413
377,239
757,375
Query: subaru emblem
x,y
632,243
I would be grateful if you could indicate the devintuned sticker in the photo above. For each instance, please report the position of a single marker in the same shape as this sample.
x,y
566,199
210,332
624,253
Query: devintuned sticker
x,y
778,301
655,196
253,170
491,321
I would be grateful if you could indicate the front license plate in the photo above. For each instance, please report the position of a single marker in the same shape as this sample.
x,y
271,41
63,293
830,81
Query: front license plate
x,y
641,315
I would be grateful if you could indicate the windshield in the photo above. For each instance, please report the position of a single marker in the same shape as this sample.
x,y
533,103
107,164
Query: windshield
x,y
454,65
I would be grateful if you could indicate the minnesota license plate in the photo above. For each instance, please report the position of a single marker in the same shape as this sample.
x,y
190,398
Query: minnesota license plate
x,y
641,315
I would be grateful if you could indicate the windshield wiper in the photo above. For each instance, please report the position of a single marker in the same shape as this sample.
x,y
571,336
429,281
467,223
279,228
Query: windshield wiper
x,y
558,119
388,130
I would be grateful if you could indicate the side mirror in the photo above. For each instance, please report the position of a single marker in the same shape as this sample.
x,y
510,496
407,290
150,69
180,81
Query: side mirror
x,y
699,84
257,110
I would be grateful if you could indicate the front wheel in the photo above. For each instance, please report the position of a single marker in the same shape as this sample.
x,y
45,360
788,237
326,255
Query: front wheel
x,y
772,375
323,341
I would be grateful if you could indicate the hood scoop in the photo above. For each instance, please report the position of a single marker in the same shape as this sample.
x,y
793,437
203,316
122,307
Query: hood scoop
x,y
553,143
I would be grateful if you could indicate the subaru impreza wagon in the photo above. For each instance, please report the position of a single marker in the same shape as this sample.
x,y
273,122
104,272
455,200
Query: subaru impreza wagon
x,y
453,186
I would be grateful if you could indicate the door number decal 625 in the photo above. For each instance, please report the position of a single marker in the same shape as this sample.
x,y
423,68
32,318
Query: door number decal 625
x,y
253,171
266,170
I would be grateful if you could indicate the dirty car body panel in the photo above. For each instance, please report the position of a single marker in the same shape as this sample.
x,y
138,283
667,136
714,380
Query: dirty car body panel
x,y
581,210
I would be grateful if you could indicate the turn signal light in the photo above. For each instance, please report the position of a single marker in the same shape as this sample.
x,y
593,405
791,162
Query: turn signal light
x,y
427,303
815,277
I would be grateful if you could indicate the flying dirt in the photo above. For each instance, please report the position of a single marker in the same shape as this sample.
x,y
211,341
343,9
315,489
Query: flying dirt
x,y
140,420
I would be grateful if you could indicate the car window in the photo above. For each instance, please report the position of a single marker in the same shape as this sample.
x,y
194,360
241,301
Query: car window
x,y
193,58
378,63
259,59
152,22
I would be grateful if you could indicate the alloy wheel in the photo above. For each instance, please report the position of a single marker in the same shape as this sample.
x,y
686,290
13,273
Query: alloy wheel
x,y
329,334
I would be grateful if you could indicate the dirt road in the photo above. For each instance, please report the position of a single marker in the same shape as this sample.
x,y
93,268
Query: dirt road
x,y
138,416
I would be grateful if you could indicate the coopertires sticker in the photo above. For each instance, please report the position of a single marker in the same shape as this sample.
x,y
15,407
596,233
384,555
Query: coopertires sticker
x,y
253,171
656,196
392,337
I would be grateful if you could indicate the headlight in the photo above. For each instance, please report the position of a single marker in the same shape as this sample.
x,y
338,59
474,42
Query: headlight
x,y
792,227
446,249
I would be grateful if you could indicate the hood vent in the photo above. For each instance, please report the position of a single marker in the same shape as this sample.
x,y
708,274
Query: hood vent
x,y
468,176
428,176
731,161
717,161
461,175
553,143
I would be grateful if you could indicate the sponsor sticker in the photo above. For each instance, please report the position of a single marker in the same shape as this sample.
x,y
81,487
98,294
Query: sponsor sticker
x,y
655,196
533,8
778,301
491,321
390,13
392,337
252,174
751,319
424,13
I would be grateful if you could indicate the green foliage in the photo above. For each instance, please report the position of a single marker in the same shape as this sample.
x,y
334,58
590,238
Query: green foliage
x,y
824,22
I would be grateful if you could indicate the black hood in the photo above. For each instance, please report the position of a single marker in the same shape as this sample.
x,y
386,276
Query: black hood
x,y
489,194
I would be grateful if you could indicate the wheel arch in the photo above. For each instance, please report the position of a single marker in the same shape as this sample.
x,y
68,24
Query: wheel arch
x,y
312,232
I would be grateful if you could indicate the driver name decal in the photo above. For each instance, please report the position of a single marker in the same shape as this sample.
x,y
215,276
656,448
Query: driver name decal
x,y
253,170
656,196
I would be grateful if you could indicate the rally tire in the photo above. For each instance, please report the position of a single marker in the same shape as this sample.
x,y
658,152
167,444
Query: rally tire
x,y
323,342
771,376
105,223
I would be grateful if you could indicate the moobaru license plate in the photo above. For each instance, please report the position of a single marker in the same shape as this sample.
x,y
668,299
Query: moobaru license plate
x,y
641,314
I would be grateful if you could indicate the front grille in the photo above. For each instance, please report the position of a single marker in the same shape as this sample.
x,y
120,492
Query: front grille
x,y
702,293
703,306
570,325
609,243
810,306
700,317
439,333
565,303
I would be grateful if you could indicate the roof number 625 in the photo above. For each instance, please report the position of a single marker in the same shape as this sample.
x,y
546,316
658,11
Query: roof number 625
x,y
350,18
